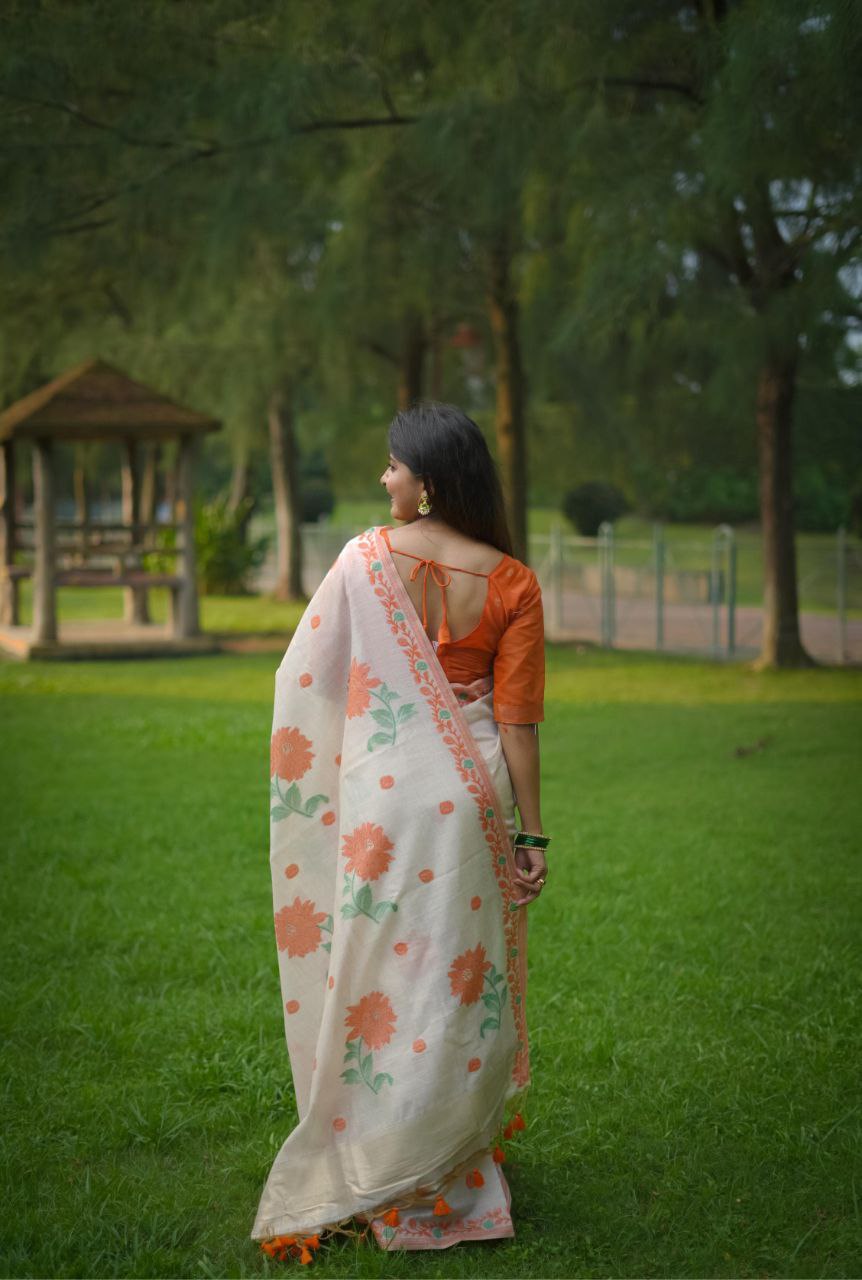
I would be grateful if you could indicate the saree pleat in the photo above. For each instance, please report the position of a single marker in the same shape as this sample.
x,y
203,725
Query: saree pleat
x,y
401,958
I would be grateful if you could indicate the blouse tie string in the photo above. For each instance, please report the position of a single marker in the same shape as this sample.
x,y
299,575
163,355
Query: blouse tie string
x,y
443,579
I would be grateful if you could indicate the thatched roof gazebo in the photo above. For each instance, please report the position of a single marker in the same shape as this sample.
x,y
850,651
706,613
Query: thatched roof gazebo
x,y
95,401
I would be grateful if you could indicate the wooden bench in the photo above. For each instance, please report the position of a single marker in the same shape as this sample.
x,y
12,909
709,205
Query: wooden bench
x,y
105,578
11,575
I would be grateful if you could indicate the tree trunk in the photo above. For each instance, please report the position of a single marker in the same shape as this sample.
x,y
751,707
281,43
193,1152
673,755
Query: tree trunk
x,y
238,479
285,490
782,645
413,348
437,341
509,422
238,495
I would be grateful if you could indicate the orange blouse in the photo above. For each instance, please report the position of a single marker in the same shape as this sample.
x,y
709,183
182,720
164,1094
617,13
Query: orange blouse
x,y
508,642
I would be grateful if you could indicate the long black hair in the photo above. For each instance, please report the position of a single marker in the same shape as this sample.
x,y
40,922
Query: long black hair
x,y
445,448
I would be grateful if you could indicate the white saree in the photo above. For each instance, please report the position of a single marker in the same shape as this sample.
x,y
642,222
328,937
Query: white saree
x,y
402,960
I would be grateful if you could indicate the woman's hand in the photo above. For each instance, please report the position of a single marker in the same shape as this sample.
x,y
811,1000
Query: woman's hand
x,y
533,871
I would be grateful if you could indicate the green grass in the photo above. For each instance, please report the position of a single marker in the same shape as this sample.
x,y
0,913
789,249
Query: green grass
x,y
240,614
694,997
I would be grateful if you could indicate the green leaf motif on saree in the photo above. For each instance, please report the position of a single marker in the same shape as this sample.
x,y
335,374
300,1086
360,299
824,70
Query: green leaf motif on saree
x,y
493,1001
365,1073
387,717
362,902
291,801
326,927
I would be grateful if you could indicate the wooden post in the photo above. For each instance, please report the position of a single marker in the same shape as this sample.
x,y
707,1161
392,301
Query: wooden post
x,y
44,592
8,584
135,605
185,614
82,502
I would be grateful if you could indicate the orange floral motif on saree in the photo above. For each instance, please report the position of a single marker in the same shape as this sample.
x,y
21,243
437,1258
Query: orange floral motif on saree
x,y
372,1021
469,975
367,854
361,688
290,758
298,928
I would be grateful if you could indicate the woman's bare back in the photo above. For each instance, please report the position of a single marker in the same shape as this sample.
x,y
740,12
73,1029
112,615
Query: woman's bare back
x,y
466,593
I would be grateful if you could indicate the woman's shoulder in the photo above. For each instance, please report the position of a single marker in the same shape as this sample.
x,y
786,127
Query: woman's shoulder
x,y
455,550
518,578
521,593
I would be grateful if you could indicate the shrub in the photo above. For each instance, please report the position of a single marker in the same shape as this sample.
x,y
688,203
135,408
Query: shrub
x,y
590,504
225,556
316,497
822,498
714,495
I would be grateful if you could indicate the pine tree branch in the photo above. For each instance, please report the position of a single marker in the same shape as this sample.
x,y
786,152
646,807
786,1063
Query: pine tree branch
x,y
378,349
635,82
361,122
207,144
69,108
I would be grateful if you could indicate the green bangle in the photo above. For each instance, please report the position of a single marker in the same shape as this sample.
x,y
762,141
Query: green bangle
x,y
531,840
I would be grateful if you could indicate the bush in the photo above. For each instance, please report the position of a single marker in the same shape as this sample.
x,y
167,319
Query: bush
x,y
719,495
316,497
590,504
822,498
224,554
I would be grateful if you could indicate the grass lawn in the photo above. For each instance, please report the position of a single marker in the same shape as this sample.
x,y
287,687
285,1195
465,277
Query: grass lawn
x,y
694,1001
217,613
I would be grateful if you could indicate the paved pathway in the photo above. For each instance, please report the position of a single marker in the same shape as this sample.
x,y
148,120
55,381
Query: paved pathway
x,y
688,628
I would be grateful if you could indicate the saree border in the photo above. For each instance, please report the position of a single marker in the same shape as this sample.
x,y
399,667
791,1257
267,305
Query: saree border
x,y
449,720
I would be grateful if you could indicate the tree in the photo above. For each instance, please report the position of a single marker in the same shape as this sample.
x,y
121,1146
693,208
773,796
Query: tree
x,y
747,212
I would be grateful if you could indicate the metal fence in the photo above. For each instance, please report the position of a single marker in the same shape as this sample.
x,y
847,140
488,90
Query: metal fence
x,y
696,596
666,593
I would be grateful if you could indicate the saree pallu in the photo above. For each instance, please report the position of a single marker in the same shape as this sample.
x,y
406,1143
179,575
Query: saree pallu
x,y
402,959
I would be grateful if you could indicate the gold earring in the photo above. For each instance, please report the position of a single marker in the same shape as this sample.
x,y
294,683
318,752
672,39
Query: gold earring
x,y
424,505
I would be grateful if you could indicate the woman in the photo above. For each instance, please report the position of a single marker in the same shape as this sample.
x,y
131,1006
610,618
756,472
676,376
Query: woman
x,y
405,725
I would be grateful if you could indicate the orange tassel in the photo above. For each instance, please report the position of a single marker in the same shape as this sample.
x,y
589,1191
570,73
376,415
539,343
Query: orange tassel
x,y
278,1246
518,1122
475,1179
499,1155
305,1257
392,1218
441,1208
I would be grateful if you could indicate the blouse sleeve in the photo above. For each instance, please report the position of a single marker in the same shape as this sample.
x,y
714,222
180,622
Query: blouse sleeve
x,y
519,663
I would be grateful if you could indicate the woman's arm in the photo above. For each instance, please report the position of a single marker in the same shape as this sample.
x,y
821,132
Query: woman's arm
x,y
520,744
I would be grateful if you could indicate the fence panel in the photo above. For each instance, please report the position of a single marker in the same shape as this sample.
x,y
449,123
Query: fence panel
x,y
682,595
